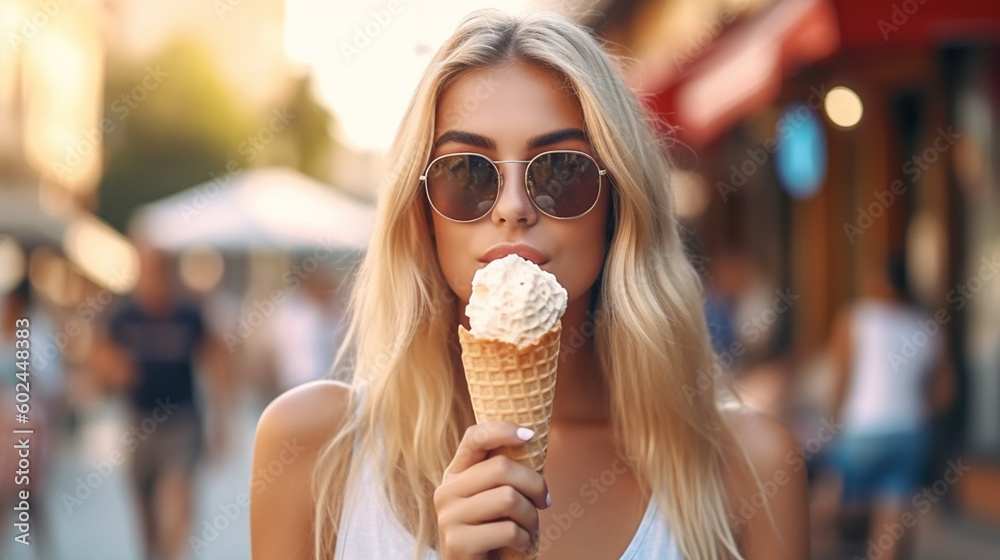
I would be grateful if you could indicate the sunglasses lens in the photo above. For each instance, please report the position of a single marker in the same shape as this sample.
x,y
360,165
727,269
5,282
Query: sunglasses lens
x,y
462,186
564,184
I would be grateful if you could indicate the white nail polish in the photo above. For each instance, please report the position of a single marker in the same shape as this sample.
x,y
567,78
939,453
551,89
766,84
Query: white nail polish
x,y
525,434
548,499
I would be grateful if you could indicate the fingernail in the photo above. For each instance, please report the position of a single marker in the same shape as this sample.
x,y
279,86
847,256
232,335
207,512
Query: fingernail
x,y
525,434
548,499
538,531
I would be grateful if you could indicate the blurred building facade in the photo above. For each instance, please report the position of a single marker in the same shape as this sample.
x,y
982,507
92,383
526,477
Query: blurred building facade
x,y
91,121
819,137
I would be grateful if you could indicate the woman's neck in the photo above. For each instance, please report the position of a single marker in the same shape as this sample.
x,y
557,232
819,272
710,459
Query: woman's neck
x,y
581,392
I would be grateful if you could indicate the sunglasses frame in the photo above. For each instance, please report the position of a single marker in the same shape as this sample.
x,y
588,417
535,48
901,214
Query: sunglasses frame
x,y
601,173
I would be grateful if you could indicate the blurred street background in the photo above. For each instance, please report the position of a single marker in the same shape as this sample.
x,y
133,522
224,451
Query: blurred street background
x,y
187,186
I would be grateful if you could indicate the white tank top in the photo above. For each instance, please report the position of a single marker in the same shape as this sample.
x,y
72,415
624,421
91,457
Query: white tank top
x,y
369,529
892,360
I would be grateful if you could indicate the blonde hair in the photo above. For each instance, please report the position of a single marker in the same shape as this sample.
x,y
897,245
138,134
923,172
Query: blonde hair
x,y
648,324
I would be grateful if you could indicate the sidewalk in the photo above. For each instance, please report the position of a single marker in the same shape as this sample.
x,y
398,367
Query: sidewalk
x,y
949,538
104,525
939,535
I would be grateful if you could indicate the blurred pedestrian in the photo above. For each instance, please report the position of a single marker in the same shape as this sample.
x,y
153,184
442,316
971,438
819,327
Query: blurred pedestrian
x,y
164,340
891,373
306,331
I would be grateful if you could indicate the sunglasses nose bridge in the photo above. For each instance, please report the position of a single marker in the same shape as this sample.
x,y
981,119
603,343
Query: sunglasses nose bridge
x,y
512,176
512,169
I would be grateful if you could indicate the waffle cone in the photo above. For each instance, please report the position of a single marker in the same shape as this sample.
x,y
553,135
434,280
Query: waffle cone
x,y
516,385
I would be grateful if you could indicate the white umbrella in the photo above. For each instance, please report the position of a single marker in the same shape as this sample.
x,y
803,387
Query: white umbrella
x,y
268,208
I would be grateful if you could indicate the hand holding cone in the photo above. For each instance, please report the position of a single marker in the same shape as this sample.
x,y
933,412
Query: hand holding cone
x,y
511,360
516,385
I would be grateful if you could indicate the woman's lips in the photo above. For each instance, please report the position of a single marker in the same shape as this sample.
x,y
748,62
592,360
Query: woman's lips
x,y
526,252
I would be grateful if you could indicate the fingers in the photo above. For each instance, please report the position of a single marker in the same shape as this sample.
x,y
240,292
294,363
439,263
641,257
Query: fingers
x,y
482,438
482,538
485,503
495,504
499,471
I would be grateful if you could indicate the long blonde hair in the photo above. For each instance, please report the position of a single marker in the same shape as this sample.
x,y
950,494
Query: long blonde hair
x,y
648,323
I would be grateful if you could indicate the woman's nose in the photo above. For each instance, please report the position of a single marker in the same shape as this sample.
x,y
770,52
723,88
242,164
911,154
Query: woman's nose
x,y
513,205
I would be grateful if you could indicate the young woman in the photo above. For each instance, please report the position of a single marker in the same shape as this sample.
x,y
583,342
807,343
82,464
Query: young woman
x,y
642,461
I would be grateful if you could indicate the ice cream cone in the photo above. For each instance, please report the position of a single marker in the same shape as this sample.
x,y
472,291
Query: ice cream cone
x,y
516,385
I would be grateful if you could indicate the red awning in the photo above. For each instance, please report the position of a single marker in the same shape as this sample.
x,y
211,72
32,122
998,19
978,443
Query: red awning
x,y
866,24
745,68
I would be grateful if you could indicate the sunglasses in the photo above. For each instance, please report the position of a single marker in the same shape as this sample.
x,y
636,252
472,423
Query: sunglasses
x,y
562,184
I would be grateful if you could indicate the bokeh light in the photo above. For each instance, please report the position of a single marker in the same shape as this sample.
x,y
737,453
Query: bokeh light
x,y
843,107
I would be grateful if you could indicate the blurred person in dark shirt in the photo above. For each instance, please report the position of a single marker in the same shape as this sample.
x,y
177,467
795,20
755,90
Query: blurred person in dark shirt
x,y
159,341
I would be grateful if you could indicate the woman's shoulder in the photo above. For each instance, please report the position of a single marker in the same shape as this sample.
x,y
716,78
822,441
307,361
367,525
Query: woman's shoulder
x,y
312,413
779,492
291,432
765,439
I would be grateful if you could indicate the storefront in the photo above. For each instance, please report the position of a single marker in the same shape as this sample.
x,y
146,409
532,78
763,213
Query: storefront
x,y
826,135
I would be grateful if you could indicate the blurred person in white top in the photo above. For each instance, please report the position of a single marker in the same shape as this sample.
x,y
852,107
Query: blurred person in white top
x,y
307,331
891,374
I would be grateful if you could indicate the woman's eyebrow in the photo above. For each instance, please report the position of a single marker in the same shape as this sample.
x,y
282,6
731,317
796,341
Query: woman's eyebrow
x,y
468,138
480,141
557,136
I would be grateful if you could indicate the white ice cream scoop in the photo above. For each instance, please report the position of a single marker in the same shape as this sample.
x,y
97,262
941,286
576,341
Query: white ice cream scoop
x,y
515,301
